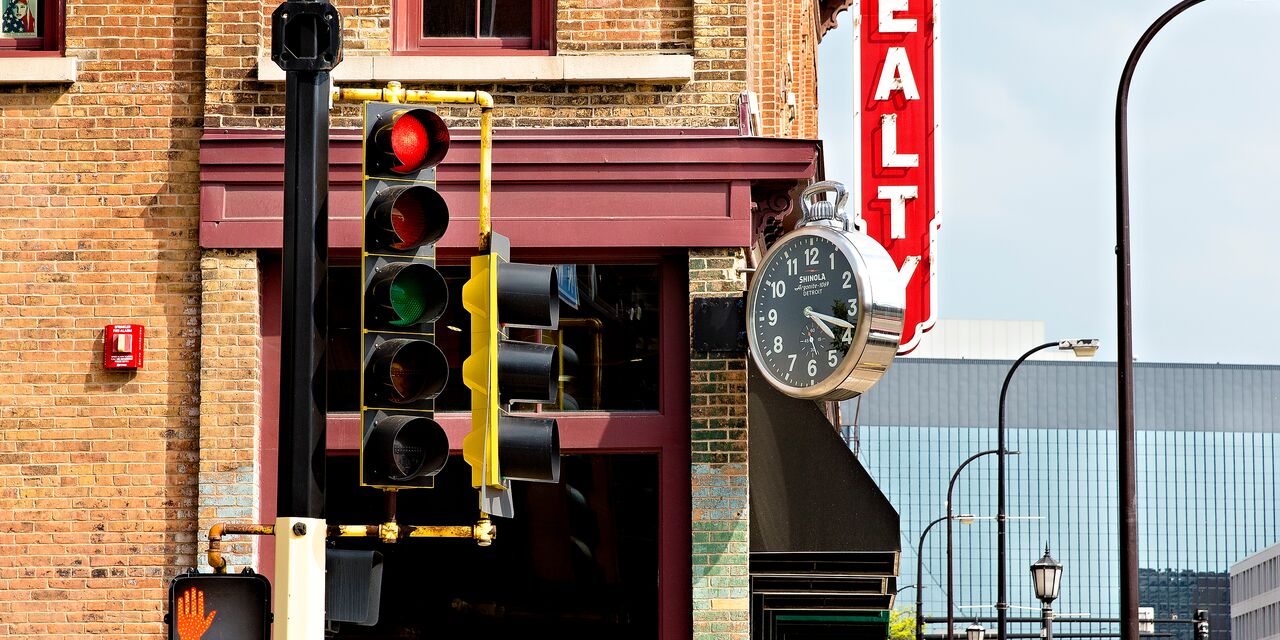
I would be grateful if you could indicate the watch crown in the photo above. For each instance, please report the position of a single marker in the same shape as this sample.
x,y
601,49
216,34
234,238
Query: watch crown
x,y
816,209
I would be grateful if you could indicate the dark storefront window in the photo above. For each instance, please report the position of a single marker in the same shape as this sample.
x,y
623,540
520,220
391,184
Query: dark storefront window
x,y
578,561
609,339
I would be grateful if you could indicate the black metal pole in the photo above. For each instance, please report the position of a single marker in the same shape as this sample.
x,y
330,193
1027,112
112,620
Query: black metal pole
x,y
1046,620
306,43
1002,600
951,621
1124,327
920,578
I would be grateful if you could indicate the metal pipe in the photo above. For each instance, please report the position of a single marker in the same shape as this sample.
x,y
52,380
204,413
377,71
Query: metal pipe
x,y
951,603
1124,327
1002,543
217,531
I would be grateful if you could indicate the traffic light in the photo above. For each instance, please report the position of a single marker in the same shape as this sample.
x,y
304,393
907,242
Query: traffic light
x,y
501,446
218,606
403,369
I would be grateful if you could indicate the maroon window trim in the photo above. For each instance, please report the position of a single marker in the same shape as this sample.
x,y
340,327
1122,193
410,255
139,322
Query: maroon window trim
x,y
407,38
52,34
664,432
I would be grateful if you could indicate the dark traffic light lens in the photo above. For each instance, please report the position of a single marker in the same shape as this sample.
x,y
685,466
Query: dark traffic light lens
x,y
405,218
405,371
403,295
402,448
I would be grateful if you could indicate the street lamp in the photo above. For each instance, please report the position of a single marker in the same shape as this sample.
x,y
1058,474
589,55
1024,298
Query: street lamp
x,y
964,518
1126,435
975,632
1083,348
1046,578
951,622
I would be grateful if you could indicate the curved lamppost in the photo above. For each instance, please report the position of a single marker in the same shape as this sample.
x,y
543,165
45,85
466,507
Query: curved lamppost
x,y
951,621
1126,436
1083,348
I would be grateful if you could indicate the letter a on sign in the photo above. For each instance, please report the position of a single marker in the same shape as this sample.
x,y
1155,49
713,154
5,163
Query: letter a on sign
x,y
897,49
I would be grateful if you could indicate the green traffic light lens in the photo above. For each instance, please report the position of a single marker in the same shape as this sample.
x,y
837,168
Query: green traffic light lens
x,y
403,295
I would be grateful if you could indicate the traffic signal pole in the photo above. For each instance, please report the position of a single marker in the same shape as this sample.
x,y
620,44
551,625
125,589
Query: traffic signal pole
x,y
306,41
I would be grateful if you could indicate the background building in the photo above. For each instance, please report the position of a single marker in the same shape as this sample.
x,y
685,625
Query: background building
x,y
653,145
1255,596
1208,444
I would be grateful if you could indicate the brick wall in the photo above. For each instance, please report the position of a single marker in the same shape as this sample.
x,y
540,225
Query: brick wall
x,y
785,61
230,393
635,25
714,31
98,212
718,432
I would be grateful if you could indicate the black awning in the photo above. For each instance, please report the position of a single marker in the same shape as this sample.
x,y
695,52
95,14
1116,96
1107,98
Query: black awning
x,y
808,491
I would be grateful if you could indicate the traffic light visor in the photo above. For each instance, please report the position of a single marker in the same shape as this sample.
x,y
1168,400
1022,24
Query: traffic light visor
x,y
529,448
405,294
408,140
402,448
405,218
405,370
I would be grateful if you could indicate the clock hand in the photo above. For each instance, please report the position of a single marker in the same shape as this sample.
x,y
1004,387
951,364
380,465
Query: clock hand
x,y
832,319
808,313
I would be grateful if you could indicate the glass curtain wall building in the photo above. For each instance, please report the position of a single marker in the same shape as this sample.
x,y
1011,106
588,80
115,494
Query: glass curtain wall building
x,y
1208,448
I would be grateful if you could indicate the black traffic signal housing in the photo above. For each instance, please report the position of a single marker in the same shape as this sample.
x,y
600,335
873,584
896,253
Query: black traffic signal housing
x,y
219,606
404,294
502,446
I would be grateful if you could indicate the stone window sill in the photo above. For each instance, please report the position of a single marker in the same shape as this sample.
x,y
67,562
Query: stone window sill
x,y
37,69
673,68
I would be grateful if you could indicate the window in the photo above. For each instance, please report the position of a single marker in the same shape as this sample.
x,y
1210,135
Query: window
x,y
30,25
472,27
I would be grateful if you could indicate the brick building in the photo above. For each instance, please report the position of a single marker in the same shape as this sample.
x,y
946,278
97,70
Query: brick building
x,y
652,143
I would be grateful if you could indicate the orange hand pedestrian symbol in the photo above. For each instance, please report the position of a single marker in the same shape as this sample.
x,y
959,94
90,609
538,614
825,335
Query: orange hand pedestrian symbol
x,y
192,622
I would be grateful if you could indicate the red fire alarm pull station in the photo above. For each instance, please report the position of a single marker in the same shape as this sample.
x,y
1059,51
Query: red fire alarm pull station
x,y
122,346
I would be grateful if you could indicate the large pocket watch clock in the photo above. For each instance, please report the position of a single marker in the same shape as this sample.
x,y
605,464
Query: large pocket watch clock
x,y
825,308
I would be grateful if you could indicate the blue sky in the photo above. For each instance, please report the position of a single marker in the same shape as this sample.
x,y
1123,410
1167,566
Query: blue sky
x,y
1026,173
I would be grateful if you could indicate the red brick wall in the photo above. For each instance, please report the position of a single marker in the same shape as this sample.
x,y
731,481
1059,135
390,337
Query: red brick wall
x,y
98,210
785,32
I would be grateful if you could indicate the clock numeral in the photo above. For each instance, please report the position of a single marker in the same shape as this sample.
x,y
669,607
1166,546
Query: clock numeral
x,y
813,368
791,366
773,317
831,357
847,336
793,267
833,260
811,256
853,307
847,277
779,288
777,344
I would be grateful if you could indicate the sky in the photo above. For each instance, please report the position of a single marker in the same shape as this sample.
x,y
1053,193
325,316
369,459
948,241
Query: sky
x,y
1026,169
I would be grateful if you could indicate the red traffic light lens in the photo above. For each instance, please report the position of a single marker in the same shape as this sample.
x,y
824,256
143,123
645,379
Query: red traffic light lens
x,y
409,144
408,140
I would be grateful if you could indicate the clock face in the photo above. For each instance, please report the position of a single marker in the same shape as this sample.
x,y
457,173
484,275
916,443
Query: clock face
x,y
805,311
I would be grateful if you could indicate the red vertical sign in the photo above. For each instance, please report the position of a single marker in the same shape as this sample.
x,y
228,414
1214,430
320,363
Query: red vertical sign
x,y
897,92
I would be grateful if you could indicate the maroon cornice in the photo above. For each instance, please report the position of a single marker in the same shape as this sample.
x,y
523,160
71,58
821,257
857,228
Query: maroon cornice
x,y
828,10
552,187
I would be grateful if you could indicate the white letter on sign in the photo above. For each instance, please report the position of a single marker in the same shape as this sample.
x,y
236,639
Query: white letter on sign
x,y
889,156
890,24
897,75
897,197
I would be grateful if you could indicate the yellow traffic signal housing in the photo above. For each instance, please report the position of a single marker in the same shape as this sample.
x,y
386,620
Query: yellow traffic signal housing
x,y
502,446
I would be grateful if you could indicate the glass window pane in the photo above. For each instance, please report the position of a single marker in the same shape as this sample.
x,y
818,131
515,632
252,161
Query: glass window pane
x,y
449,18
20,19
506,18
